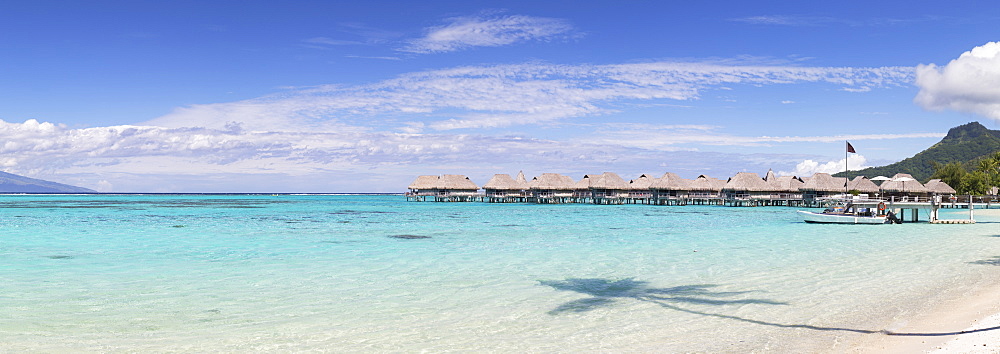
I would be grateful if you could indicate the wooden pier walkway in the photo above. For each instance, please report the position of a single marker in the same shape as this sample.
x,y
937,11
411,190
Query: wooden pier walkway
x,y
932,206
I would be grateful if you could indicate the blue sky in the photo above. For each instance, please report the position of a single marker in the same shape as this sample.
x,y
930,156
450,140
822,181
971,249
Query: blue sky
x,y
330,96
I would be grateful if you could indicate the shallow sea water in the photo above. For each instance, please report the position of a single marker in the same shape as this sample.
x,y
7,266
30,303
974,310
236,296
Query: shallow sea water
x,y
376,273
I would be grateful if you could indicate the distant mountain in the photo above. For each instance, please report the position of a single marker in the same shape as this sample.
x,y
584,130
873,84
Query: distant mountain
x,y
11,183
966,144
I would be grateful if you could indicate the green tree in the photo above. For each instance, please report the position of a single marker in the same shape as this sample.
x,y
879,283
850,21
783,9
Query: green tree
x,y
952,174
974,183
990,166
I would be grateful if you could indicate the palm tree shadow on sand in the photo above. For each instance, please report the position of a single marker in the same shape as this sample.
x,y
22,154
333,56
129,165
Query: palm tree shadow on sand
x,y
995,261
605,292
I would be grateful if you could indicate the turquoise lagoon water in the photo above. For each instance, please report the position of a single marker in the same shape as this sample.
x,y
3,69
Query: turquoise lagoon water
x,y
376,273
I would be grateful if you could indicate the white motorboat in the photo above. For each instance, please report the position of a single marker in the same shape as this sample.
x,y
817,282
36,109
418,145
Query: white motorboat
x,y
849,214
841,218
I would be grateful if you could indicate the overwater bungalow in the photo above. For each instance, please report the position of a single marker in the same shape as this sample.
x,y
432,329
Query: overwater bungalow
x,y
743,189
422,187
504,189
706,189
864,186
784,189
639,189
551,188
608,188
746,187
903,187
446,188
670,189
938,187
822,185
581,190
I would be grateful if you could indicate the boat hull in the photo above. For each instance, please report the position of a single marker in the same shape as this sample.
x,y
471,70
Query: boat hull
x,y
821,218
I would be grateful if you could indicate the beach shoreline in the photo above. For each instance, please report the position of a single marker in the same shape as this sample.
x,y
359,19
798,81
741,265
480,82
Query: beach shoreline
x,y
967,322
952,324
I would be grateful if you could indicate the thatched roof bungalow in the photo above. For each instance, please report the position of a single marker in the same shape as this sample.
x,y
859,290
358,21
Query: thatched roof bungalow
x,y
609,181
503,182
784,186
862,184
671,182
551,188
936,186
670,185
904,188
639,188
746,185
551,181
520,179
823,185
581,188
705,186
770,176
787,184
444,188
445,182
457,183
423,183
608,185
503,188
642,183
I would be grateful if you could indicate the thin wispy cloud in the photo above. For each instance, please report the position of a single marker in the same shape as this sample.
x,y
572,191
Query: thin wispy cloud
x,y
373,57
426,118
360,34
330,41
670,137
468,32
810,20
788,20
857,89
510,95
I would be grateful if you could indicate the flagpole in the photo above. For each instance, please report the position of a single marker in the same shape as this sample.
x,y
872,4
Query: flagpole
x,y
847,169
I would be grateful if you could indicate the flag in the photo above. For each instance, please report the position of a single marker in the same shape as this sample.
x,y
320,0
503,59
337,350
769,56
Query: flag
x,y
850,148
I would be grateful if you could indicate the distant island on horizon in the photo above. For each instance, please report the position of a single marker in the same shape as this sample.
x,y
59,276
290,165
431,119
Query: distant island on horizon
x,y
11,183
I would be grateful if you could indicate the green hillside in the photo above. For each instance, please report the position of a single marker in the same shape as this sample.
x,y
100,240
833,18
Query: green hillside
x,y
965,144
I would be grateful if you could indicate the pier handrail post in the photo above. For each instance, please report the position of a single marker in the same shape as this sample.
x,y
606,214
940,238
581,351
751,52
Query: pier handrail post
x,y
935,201
971,216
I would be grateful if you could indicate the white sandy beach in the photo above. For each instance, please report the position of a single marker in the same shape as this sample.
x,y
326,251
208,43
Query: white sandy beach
x,y
987,340
968,323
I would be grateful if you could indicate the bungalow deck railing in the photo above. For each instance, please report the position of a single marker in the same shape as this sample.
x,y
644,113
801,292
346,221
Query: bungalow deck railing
x,y
735,197
443,195
808,199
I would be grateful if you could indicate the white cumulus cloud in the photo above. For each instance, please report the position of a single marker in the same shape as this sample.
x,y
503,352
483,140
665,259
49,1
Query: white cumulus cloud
x,y
160,159
810,167
970,83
